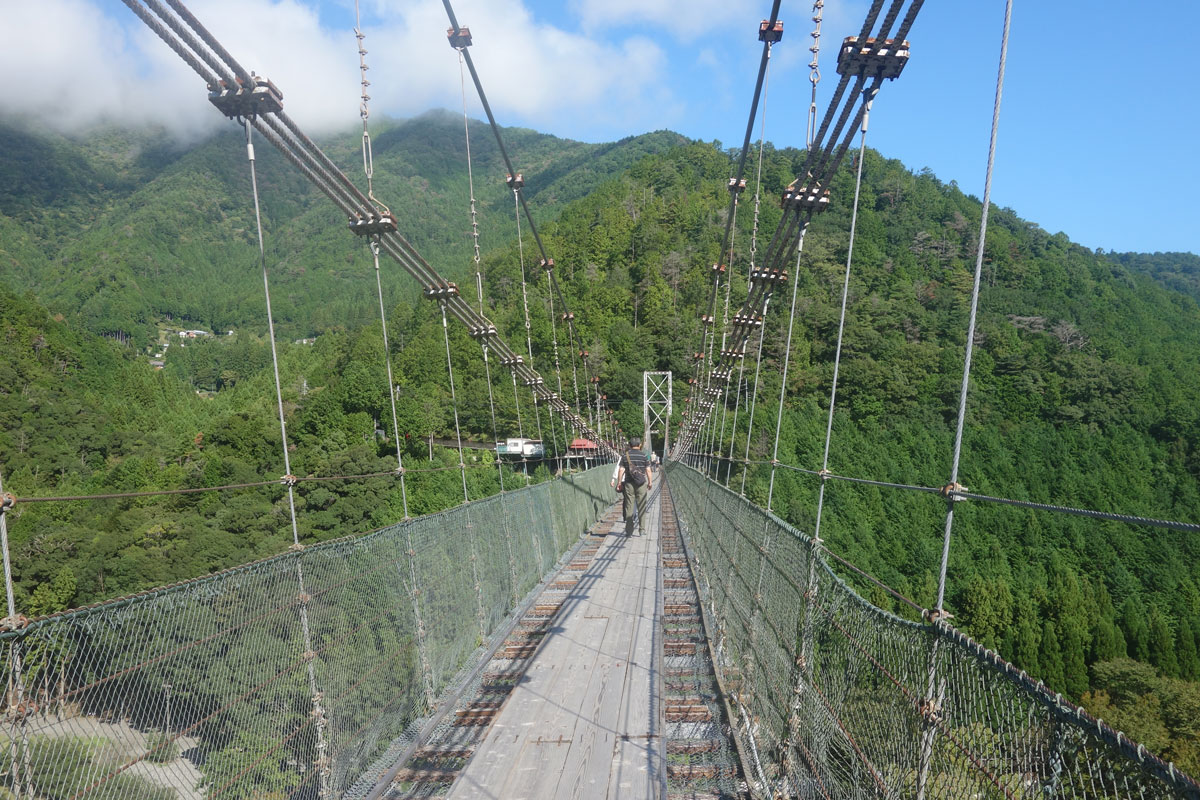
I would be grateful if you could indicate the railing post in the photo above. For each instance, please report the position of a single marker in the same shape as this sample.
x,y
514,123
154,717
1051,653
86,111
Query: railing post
x,y
930,713
21,766
803,665
414,593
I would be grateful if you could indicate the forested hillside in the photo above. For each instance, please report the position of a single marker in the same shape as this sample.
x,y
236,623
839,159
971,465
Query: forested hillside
x,y
1085,392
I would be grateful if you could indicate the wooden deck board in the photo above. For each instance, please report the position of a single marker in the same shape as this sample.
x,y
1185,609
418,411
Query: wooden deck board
x,y
581,725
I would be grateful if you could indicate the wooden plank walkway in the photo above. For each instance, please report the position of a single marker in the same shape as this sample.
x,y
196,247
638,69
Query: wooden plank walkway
x,y
584,722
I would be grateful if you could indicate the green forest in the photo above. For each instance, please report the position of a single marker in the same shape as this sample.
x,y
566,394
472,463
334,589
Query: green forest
x,y
1085,388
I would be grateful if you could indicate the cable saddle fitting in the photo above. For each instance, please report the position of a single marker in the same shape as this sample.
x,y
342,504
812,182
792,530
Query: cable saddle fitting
x,y
246,102
872,58
815,198
770,33
769,275
460,39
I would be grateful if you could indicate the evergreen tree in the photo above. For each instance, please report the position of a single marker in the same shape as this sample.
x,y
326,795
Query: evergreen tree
x,y
1161,644
1051,657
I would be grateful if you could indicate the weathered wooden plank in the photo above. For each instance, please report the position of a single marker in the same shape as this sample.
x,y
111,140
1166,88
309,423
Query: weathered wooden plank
x,y
584,710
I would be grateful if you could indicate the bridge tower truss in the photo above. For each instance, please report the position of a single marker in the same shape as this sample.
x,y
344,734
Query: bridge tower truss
x,y
657,397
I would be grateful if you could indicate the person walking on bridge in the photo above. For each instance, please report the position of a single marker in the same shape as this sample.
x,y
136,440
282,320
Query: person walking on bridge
x,y
634,482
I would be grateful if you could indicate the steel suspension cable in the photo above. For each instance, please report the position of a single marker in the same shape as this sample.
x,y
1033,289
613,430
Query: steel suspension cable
x,y
282,132
525,306
762,134
554,340
720,440
962,395
462,464
471,182
787,353
814,71
458,33
391,387
364,112
369,172
837,358
933,693
735,185
318,712
754,393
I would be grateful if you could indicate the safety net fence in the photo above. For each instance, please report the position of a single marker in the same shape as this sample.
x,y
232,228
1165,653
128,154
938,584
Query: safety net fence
x,y
287,677
835,698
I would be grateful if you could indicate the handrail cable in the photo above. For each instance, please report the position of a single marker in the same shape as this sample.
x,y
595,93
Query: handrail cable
x,y
962,494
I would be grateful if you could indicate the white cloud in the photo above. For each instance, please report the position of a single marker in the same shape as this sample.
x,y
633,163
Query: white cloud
x,y
102,64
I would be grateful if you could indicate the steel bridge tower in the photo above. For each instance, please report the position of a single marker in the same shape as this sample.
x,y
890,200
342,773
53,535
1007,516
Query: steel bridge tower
x,y
656,408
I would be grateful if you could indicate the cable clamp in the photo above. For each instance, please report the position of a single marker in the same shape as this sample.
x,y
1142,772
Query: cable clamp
x,y
718,268
569,316
373,225
931,711
303,598
515,181
308,655
737,185
7,501
440,292
288,480
26,709
246,101
825,474
17,622
400,471
951,491
934,616
296,547
482,331
547,264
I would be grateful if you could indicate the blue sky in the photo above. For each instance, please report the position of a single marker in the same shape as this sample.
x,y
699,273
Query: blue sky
x,y
1096,135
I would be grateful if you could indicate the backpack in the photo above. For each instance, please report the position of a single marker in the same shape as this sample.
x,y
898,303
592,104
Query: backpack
x,y
635,473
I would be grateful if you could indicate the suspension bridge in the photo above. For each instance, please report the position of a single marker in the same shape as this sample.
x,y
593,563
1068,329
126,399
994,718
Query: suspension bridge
x,y
520,645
